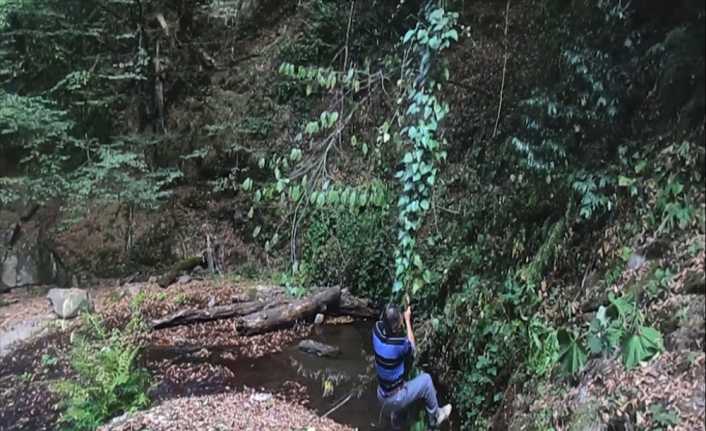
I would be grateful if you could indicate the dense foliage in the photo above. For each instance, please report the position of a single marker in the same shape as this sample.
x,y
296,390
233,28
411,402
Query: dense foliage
x,y
57,122
347,143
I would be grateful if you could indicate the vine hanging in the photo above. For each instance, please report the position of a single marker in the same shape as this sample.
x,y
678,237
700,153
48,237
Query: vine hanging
x,y
425,112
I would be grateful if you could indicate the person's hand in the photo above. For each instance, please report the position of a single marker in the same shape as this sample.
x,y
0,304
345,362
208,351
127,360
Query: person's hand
x,y
408,314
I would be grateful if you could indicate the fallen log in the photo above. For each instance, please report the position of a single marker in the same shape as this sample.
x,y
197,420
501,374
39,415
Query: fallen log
x,y
184,265
256,317
356,307
287,314
187,317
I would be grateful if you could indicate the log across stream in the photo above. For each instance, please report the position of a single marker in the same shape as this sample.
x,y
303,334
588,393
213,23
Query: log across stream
x,y
280,372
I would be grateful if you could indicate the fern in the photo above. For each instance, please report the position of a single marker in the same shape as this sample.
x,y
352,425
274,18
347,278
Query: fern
x,y
109,381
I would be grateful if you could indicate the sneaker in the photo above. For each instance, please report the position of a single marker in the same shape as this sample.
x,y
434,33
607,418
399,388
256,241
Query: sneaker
x,y
442,414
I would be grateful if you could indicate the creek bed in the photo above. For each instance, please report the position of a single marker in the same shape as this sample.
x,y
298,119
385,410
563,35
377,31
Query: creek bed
x,y
290,373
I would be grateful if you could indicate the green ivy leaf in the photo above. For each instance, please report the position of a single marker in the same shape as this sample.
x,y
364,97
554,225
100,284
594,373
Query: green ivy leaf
x,y
452,34
295,155
296,193
417,285
321,200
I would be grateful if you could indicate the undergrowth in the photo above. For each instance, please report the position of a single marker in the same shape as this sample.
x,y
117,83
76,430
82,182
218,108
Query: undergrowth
x,y
109,381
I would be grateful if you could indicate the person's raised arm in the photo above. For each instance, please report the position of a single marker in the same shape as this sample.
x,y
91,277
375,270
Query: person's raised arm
x,y
408,325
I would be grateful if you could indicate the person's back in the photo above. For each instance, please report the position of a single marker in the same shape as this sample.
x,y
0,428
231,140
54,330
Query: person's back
x,y
391,353
392,348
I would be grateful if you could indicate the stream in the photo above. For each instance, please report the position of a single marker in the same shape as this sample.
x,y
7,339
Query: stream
x,y
277,373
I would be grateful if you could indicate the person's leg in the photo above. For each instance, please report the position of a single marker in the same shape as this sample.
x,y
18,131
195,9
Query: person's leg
x,y
392,408
421,388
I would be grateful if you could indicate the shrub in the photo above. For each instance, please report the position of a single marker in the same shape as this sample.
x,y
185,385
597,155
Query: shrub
x,y
108,380
351,248
480,343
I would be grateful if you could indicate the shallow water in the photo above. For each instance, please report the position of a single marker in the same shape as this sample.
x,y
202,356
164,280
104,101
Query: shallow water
x,y
351,373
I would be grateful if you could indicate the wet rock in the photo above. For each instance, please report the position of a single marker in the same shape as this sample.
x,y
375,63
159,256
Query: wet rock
x,y
319,319
184,279
319,349
67,303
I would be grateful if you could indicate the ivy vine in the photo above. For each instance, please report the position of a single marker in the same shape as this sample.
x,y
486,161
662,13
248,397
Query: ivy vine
x,y
424,113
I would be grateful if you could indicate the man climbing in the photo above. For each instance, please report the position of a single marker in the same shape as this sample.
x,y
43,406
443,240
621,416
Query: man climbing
x,y
392,349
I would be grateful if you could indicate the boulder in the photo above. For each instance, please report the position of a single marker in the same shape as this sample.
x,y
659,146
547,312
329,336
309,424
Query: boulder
x,y
67,303
27,258
319,349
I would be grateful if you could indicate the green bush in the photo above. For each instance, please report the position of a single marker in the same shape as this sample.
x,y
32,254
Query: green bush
x,y
350,248
481,343
108,380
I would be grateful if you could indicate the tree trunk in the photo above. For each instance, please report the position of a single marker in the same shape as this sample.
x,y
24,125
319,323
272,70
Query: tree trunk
x,y
286,315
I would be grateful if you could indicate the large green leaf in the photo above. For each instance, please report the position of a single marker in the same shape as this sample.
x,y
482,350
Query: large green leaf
x,y
572,356
651,340
633,352
643,345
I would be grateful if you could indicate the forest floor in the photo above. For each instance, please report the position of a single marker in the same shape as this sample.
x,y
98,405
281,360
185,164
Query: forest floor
x,y
245,411
205,375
